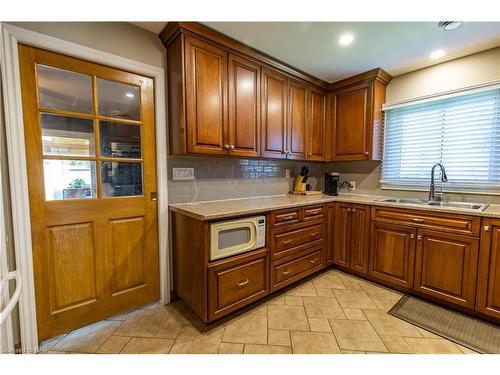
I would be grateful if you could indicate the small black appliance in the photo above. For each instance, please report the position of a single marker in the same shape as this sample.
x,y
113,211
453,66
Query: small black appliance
x,y
331,183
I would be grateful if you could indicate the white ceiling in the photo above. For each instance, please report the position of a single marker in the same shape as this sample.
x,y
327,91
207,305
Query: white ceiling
x,y
397,47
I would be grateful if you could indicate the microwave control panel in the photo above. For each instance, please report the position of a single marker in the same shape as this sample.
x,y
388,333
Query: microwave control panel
x,y
261,231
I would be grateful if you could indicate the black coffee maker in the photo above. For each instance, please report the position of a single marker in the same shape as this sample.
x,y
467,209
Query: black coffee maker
x,y
331,183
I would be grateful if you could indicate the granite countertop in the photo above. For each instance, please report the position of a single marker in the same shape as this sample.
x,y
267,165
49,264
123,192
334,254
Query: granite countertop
x,y
222,209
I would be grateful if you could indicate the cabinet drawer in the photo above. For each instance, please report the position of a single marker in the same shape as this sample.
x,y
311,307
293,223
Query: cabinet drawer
x,y
281,218
296,267
461,224
237,282
313,212
288,242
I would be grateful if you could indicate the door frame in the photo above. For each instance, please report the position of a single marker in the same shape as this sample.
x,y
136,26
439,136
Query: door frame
x,y
10,37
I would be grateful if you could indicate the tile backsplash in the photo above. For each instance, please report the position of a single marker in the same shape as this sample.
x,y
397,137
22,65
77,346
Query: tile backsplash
x,y
227,178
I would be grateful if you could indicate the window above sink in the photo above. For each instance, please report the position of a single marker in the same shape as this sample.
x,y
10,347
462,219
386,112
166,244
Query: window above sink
x,y
461,132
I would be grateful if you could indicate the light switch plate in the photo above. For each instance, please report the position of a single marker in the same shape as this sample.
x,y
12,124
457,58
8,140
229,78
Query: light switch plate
x,y
183,173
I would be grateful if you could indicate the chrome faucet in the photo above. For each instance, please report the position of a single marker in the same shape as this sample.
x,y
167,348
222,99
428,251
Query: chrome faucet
x,y
432,188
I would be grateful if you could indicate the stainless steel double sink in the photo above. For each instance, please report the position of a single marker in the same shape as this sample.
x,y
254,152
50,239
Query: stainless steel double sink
x,y
444,204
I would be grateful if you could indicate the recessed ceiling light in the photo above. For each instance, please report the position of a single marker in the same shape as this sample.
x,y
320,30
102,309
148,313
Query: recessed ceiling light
x,y
437,54
129,95
346,39
449,25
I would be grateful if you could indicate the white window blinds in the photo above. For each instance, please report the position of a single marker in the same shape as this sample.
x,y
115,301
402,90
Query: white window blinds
x,y
463,133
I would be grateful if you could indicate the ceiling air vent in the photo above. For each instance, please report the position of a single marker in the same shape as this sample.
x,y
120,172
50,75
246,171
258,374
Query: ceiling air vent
x,y
449,25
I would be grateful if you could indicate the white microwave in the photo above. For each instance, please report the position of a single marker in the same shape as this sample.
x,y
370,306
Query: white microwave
x,y
233,237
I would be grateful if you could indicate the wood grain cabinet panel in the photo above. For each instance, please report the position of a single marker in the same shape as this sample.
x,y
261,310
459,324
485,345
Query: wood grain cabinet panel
x,y
342,234
360,235
274,114
295,268
488,281
351,124
244,107
392,254
317,144
206,95
297,120
292,241
236,282
446,267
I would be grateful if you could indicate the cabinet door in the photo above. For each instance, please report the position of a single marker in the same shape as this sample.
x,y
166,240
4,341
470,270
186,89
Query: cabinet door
x,y
342,234
392,253
297,120
206,92
351,125
316,127
274,103
244,107
360,236
488,281
331,234
446,267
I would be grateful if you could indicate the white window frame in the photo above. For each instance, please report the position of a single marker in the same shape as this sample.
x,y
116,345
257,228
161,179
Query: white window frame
x,y
463,188
10,37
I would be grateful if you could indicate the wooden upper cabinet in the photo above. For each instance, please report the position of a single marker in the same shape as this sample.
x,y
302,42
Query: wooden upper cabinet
x,y
357,116
446,266
206,95
351,124
274,114
316,128
488,281
244,107
297,120
392,254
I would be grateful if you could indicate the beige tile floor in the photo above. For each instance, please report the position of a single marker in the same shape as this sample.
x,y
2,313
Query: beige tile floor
x,y
332,313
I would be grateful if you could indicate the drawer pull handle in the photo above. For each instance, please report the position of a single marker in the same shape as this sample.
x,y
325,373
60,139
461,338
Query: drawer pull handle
x,y
286,242
314,213
315,234
417,220
243,283
288,217
313,261
284,273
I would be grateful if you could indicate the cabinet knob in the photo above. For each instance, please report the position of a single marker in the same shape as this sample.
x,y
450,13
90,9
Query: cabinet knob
x,y
367,153
353,210
310,154
348,210
231,147
419,237
486,228
226,147
412,236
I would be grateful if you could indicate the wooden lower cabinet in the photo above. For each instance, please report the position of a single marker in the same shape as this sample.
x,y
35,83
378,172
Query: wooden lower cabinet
x,y
392,254
446,267
351,233
236,282
290,269
488,281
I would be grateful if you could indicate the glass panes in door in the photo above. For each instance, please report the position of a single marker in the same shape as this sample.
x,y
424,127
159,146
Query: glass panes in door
x,y
64,90
120,140
69,179
70,136
119,100
121,179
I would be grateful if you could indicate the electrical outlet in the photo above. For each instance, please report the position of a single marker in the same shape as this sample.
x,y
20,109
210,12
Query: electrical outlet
x,y
183,173
352,185
287,173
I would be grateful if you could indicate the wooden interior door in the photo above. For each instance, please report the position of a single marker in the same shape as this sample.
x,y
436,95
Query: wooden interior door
x,y
206,95
90,151
244,107
360,238
392,253
446,267
351,124
274,104
342,237
297,120
488,280
316,128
